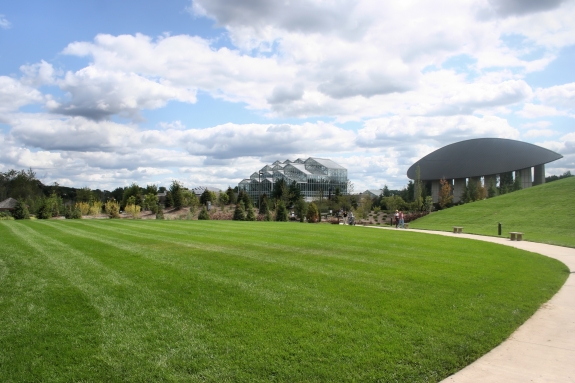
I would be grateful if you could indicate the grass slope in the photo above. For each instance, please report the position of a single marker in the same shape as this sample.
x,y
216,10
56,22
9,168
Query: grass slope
x,y
224,301
544,213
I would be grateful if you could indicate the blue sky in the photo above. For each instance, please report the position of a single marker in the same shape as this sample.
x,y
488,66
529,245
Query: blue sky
x,y
106,93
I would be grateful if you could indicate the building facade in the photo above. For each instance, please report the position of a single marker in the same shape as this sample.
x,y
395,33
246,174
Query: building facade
x,y
482,160
314,177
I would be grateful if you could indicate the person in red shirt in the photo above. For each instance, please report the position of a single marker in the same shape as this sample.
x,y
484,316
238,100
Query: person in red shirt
x,y
401,222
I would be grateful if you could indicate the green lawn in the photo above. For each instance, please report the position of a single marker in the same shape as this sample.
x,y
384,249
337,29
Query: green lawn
x,y
544,213
197,301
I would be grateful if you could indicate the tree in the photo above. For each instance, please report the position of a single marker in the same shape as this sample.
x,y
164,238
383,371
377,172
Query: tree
x,y
517,183
206,197
294,193
151,202
224,199
250,213
112,208
281,212
300,208
312,213
49,207
386,192
445,196
492,190
428,205
263,204
418,189
177,196
204,214
239,213
505,182
280,190
84,194
20,210
231,195
132,191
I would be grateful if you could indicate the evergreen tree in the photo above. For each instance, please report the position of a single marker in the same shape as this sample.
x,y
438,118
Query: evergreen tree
x,y
263,204
250,213
294,193
21,210
300,208
517,183
177,195
445,196
160,212
206,197
239,213
204,214
492,190
281,212
231,195
268,216
418,189
312,213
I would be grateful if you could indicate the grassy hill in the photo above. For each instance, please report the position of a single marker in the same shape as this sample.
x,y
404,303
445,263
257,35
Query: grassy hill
x,y
228,301
544,213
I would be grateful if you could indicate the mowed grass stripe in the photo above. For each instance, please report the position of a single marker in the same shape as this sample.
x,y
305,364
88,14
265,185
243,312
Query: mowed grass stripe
x,y
120,305
380,322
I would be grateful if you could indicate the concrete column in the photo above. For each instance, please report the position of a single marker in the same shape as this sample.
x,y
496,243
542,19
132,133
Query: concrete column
x,y
526,178
458,187
435,186
539,175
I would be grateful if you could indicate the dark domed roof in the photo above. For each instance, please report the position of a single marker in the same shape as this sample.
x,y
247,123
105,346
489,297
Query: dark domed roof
x,y
481,157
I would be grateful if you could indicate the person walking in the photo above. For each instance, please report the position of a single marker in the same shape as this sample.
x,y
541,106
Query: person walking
x,y
401,222
396,217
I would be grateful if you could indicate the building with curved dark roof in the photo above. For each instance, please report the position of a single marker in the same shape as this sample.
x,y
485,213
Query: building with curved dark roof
x,y
483,158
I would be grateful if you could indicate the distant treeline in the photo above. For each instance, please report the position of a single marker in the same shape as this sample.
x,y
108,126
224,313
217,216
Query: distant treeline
x,y
555,178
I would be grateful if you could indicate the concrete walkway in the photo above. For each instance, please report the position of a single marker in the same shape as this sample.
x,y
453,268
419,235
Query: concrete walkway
x,y
543,348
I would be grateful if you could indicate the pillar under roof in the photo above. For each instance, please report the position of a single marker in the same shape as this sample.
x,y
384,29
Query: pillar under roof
x,y
539,175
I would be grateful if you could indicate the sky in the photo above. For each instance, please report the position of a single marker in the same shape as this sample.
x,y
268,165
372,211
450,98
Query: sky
x,y
104,93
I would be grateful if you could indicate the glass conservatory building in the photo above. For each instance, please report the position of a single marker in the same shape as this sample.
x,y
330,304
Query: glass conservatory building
x,y
314,176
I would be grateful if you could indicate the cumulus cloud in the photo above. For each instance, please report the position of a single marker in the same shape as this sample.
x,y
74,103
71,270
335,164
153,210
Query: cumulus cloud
x,y
14,94
38,74
562,96
507,8
99,94
535,111
394,131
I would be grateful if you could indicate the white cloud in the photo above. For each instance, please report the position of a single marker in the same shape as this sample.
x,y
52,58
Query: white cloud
x,y
4,23
535,111
99,94
14,94
38,74
562,96
531,133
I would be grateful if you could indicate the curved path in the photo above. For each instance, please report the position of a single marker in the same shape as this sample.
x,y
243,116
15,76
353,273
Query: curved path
x,y
543,348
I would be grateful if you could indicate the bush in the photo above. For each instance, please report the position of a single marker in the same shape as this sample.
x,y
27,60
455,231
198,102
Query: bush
x,y
84,207
112,208
5,216
281,212
250,213
95,208
312,213
159,212
21,210
239,213
133,210
222,215
72,213
204,214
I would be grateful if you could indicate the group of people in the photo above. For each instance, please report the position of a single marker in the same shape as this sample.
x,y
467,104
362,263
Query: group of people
x,y
399,219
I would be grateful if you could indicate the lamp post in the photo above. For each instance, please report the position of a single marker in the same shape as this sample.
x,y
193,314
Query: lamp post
x,y
260,174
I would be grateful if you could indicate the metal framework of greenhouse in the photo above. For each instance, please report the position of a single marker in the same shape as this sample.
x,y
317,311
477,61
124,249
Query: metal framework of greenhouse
x,y
314,176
